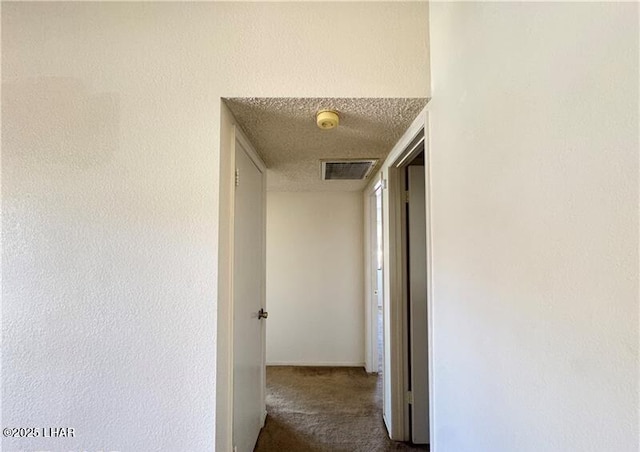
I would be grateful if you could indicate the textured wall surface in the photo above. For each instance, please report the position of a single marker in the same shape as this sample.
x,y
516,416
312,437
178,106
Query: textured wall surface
x,y
534,145
315,279
110,149
285,133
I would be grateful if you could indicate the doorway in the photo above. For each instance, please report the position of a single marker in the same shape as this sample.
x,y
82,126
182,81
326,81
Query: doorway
x,y
408,179
377,327
378,290
332,311
415,297
409,250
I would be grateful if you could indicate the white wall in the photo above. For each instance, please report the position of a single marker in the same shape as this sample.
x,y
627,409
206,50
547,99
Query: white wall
x,y
315,278
534,147
115,194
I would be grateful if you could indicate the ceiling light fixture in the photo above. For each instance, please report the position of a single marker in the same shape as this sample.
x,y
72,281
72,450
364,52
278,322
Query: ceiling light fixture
x,y
327,119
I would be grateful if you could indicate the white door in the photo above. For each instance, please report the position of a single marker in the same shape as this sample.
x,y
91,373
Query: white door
x,y
374,310
417,287
248,285
379,287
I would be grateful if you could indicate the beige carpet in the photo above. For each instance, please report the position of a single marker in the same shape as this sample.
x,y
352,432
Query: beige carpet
x,y
313,409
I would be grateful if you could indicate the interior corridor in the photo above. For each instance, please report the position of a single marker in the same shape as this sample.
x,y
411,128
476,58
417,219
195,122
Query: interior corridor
x,y
314,409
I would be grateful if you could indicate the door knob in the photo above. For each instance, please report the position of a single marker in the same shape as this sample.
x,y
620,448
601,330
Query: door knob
x,y
262,314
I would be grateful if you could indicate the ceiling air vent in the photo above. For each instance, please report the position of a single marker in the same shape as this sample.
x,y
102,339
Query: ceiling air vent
x,y
347,169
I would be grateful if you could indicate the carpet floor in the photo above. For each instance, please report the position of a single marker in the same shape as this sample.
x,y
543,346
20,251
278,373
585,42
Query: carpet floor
x,y
322,409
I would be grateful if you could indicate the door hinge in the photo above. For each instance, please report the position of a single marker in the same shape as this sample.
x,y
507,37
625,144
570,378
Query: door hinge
x,y
406,196
237,177
408,397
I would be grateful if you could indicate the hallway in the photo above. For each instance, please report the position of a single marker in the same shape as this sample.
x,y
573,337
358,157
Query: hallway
x,y
315,409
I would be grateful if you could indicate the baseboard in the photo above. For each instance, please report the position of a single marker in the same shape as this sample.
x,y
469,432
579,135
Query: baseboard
x,y
315,364
263,418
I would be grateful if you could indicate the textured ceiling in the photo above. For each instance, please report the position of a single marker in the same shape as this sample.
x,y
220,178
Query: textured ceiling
x,y
284,132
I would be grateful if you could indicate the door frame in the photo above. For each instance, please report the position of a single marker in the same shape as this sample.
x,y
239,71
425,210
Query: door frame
x,y
394,268
230,133
400,156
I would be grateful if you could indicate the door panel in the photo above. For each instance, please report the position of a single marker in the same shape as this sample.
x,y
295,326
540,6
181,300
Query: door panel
x,y
248,367
417,288
375,308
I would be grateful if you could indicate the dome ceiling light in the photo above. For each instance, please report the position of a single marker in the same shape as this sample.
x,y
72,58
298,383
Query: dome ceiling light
x,y
327,119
